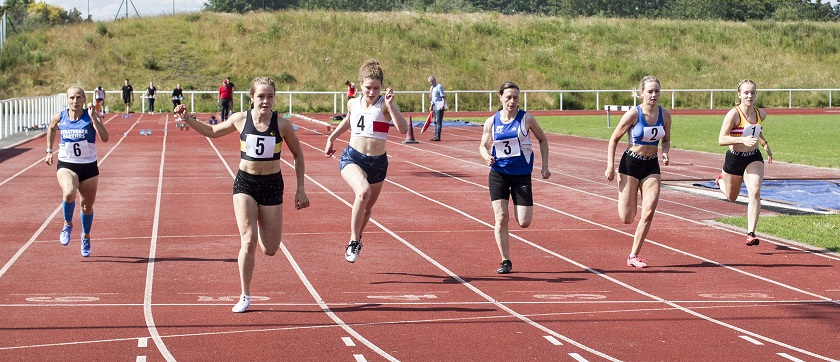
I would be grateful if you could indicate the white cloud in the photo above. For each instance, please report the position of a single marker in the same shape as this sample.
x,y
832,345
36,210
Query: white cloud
x,y
109,9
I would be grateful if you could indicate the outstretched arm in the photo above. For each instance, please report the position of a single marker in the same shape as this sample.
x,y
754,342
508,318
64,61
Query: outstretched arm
x,y
212,131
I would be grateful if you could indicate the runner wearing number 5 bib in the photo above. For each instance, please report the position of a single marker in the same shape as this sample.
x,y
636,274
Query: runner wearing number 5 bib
x,y
258,186
77,171
638,171
506,148
741,132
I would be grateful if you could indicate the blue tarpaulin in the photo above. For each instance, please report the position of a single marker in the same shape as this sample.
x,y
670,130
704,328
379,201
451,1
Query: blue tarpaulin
x,y
822,195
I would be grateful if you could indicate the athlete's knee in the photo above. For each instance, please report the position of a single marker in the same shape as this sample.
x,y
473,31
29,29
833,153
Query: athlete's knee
x,y
363,194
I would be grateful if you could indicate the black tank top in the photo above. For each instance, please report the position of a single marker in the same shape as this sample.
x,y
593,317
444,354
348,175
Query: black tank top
x,y
260,146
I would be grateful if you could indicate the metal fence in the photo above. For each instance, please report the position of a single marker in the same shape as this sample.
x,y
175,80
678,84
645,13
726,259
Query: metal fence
x,y
22,114
2,31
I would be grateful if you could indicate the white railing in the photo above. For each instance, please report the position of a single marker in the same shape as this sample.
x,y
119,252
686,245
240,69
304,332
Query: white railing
x,y
2,31
22,114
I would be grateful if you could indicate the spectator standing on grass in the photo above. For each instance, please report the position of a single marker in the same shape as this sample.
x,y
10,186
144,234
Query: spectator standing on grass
x,y
742,133
437,103
258,187
364,163
99,97
225,99
177,96
351,89
77,170
150,95
127,97
638,171
506,148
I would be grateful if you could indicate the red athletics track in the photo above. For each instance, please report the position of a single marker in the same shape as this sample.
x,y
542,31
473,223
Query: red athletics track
x,y
424,287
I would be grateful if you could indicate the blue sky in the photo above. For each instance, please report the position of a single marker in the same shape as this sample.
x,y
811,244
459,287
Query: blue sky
x,y
107,9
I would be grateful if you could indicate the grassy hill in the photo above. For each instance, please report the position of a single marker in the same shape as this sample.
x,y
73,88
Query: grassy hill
x,y
317,51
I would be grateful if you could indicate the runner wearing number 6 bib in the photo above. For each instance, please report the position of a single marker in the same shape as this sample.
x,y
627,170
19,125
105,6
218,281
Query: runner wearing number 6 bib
x,y
506,148
258,187
638,171
77,171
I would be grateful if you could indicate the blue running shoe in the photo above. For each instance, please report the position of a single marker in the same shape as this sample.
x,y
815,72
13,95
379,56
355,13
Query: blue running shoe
x,y
64,238
85,247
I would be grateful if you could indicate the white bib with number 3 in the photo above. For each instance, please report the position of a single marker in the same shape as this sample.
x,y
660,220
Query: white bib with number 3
x,y
653,134
508,147
751,130
259,146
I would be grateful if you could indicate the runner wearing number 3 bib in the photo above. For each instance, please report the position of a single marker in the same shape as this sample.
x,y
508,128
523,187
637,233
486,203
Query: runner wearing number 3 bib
x,y
77,171
258,186
638,171
506,148
742,133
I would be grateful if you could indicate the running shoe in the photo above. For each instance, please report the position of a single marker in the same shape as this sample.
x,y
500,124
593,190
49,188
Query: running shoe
x,y
86,247
64,238
243,304
718,178
352,251
505,268
636,262
752,240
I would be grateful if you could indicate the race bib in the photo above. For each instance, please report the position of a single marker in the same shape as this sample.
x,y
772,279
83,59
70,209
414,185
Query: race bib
x,y
507,148
257,146
751,130
77,151
653,134
362,123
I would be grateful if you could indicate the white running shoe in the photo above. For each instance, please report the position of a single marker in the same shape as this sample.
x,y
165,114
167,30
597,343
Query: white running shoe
x,y
352,251
243,304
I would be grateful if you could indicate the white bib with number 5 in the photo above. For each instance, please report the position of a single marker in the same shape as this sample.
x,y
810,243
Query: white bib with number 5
x,y
259,146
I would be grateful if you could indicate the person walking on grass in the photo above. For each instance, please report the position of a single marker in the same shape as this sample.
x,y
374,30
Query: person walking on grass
x,y
363,162
77,170
646,126
742,133
506,148
258,187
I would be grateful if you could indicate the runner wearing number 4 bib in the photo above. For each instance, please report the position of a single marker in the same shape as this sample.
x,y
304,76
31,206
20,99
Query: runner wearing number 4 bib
x,y
258,187
77,171
742,133
506,148
638,171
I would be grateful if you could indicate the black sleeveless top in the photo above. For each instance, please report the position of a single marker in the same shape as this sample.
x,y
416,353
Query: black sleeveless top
x,y
260,146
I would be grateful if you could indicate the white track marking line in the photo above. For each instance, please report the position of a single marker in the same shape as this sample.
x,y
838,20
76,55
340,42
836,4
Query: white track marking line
x,y
458,278
140,359
752,340
150,265
49,219
553,340
142,342
792,358
359,358
578,357
348,341
628,286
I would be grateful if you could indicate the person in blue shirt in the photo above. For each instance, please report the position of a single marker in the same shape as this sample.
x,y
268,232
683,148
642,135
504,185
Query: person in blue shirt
x,y
506,148
77,169
437,104
638,171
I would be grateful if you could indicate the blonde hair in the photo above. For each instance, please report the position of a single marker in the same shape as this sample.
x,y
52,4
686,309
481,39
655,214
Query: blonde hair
x,y
645,80
76,88
742,82
260,80
371,69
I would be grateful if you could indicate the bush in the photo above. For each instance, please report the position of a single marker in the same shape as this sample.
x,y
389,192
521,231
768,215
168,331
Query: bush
x,y
101,29
151,63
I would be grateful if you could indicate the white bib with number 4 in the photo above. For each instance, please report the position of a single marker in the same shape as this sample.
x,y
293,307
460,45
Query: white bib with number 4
x,y
259,146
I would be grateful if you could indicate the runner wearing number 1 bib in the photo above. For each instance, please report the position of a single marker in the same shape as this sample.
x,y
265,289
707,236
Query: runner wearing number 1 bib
x,y
506,148
638,171
258,186
77,171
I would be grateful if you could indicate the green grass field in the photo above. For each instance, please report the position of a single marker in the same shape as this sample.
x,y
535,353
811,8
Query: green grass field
x,y
807,140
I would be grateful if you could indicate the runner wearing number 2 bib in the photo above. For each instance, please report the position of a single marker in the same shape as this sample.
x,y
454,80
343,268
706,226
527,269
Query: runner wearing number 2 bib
x,y
742,133
638,171
77,171
258,186
363,163
506,148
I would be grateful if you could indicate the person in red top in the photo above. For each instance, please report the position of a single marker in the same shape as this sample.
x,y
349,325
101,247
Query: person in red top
x,y
351,89
225,98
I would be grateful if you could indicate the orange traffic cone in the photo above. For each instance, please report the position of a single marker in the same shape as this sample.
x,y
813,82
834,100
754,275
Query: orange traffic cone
x,y
409,136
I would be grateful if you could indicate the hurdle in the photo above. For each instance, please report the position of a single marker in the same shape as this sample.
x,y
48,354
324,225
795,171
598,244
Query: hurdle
x,y
615,108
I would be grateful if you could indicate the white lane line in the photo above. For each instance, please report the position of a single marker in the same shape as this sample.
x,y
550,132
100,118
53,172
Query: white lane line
x,y
140,359
348,341
142,342
792,358
628,286
359,358
553,340
49,219
752,340
577,357
150,265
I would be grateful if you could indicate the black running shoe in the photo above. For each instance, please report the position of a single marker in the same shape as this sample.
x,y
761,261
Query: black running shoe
x,y
505,268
